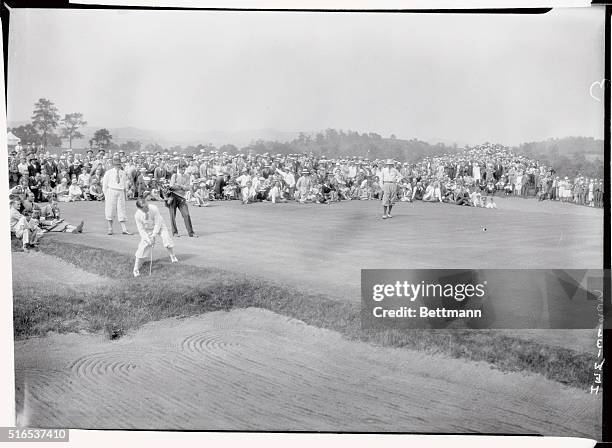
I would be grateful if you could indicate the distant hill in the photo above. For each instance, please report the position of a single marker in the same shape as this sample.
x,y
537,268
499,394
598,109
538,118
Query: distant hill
x,y
334,143
570,156
187,137
191,137
329,142
179,138
563,146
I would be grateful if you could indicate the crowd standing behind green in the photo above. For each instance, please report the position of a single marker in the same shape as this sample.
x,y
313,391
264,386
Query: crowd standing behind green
x,y
472,177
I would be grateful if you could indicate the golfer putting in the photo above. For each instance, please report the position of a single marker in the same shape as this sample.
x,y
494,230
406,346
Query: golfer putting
x,y
151,226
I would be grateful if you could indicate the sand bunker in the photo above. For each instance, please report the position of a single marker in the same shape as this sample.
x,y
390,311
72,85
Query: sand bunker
x,y
255,370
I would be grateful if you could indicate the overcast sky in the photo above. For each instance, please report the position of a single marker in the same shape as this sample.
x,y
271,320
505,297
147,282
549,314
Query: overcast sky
x,y
464,78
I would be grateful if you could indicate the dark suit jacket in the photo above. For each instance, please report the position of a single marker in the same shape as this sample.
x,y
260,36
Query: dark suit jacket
x,y
76,170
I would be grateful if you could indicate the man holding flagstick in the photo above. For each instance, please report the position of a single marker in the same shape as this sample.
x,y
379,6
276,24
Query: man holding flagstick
x,y
150,226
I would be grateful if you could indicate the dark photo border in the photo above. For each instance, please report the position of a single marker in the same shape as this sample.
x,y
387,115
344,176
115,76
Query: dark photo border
x,y
606,436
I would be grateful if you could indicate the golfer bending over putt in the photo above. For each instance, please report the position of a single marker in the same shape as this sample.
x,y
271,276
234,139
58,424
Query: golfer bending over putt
x,y
150,225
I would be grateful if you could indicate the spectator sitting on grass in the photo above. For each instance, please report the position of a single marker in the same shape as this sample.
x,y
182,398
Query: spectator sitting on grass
x,y
275,193
247,192
354,189
74,190
229,191
303,187
499,185
85,183
376,188
406,192
63,174
97,173
25,228
418,192
95,190
329,191
448,195
22,189
46,189
61,191
28,204
475,198
51,211
462,196
201,195
433,193
365,189
51,220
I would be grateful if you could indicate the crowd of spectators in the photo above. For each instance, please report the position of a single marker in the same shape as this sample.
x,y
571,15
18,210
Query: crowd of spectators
x,y
472,177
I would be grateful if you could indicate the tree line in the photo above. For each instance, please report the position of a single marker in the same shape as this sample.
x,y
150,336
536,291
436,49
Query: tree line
x,y
46,121
569,155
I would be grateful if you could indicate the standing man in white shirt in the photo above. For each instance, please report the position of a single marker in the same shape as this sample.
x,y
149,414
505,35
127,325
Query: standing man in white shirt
x,y
114,186
389,176
151,226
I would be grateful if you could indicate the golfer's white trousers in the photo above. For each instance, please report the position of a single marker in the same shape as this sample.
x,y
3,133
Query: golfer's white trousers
x,y
114,202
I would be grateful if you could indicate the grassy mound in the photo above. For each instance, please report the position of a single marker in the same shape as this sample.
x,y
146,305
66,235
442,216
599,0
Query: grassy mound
x,y
182,290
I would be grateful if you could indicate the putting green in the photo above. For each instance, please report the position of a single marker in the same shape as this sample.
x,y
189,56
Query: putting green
x,y
322,248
